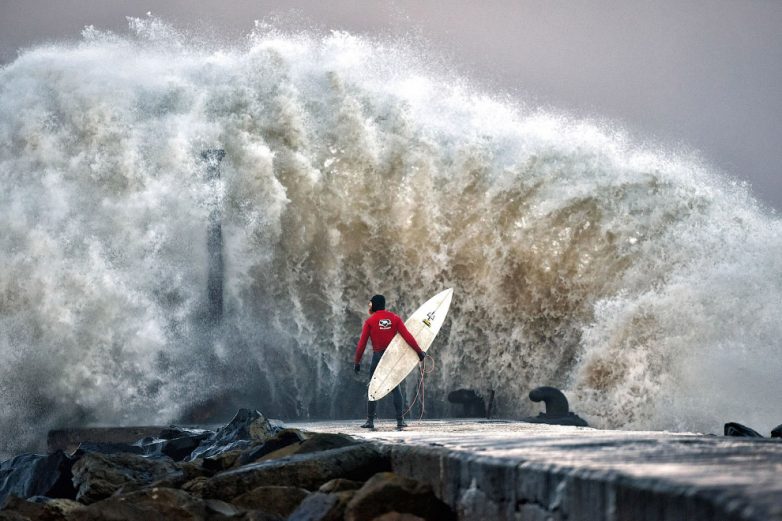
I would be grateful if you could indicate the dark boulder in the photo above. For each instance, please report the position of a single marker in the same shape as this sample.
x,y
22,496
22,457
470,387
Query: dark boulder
x,y
241,432
273,499
311,470
37,475
557,408
61,505
186,472
172,432
208,450
314,443
18,508
196,486
107,448
389,492
98,476
223,461
322,507
178,448
340,485
10,515
69,438
246,425
39,508
282,439
740,431
157,504
397,516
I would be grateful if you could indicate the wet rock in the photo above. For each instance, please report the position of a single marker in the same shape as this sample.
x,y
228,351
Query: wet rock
x,y
68,439
557,408
207,450
179,448
57,505
223,461
314,443
221,507
246,425
340,485
273,499
257,515
196,486
308,471
741,431
173,432
37,475
107,448
473,405
776,432
185,473
193,469
97,476
39,509
18,508
245,428
397,516
156,504
13,516
389,492
322,507
282,439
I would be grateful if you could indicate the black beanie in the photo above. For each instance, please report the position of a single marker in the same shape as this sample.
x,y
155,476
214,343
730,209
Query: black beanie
x,y
378,302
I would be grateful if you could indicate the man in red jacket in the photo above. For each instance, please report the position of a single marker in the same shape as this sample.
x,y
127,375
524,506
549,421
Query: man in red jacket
x,y
381,327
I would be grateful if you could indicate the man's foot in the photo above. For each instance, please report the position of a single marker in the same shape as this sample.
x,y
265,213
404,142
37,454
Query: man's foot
x,y
370,424
400,424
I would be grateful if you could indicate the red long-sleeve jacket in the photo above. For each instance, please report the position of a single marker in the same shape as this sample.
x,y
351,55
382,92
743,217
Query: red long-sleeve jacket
x,y
381,327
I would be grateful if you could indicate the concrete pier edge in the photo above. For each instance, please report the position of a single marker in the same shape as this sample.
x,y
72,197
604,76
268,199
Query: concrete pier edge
x,y
489,488
495,487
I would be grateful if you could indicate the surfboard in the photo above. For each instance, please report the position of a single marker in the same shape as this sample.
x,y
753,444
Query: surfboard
x,y
399,359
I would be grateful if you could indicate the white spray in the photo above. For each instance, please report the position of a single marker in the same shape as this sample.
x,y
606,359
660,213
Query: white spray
x,y
645,285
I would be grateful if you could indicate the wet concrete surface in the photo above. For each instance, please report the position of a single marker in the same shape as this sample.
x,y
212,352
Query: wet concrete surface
x,y
516,470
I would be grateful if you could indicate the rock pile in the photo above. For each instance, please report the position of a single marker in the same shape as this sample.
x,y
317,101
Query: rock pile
x,y
248,470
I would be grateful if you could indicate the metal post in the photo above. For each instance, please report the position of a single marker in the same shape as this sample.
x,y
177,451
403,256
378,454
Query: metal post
x,y
214,240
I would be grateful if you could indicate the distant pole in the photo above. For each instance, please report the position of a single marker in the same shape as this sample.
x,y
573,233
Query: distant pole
x,y
491,404
214,237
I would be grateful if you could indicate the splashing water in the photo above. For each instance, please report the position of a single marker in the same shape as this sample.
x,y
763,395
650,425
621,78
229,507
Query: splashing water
x,y
640,281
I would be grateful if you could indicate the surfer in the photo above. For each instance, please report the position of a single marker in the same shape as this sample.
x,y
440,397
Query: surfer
x,y
381,327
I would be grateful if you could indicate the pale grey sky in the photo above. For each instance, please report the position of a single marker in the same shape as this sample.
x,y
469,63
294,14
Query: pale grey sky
x,y
700,74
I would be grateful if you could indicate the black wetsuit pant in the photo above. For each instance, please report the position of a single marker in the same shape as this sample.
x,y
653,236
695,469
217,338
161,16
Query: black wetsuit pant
x,y
396,393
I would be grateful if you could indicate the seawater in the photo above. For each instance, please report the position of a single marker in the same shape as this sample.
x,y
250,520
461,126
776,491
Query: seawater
x,y
636,278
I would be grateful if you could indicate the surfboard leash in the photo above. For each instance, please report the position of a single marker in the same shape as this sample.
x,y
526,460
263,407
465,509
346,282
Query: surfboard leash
x,y
421,386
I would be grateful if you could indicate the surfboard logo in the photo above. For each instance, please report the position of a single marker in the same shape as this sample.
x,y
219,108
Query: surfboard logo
x,y
384,323
429,318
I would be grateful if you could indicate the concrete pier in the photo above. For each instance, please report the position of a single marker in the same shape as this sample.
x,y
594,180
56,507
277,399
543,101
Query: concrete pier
x,y
490,470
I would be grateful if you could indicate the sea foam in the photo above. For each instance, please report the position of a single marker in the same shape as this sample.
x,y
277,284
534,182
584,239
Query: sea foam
x,y
639,280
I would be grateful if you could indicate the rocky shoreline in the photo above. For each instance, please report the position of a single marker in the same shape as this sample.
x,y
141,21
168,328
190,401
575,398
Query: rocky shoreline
x,y
250,469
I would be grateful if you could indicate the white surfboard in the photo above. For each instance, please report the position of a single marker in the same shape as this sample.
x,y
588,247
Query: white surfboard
x,y
399,359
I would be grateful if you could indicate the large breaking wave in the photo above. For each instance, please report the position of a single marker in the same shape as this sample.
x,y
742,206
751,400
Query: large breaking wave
x,y
637,279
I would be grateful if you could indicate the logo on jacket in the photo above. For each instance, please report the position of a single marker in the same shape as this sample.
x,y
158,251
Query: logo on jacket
x,y
385,323
429,318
